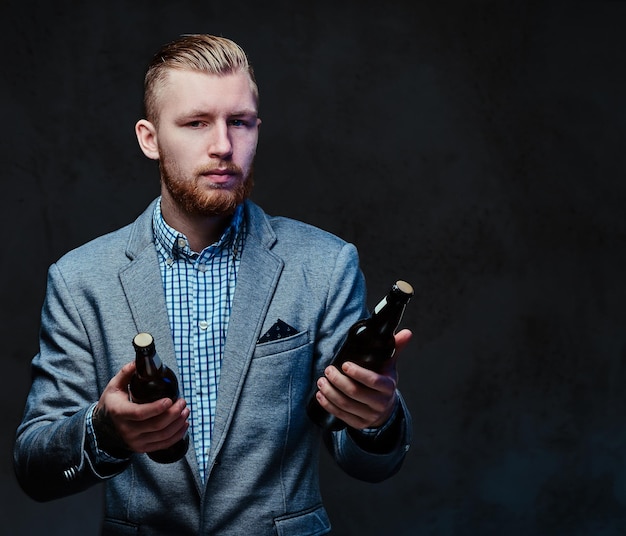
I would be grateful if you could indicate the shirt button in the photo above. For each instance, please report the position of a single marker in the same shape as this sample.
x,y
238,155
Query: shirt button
x,y
203,324
203,268
182,242
169,261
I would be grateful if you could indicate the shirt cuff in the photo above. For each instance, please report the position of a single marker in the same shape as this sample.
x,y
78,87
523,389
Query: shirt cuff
x,y
372,433
99,456
383,439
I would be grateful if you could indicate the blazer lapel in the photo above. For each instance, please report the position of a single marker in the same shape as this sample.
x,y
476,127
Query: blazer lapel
x,y
143,286
256,282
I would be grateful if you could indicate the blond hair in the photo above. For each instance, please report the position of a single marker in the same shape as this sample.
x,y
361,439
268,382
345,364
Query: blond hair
x,y
196,52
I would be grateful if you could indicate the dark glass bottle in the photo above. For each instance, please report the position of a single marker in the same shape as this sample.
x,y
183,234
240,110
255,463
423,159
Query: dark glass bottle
x,y
369,343
152,381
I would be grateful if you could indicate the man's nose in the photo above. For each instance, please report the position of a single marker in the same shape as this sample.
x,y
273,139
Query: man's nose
x,y
220,145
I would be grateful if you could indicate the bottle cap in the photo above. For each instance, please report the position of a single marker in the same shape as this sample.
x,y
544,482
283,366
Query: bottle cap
x,y
143,340
404,287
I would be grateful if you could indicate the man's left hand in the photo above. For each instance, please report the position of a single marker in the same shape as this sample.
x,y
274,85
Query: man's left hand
x,y
360,397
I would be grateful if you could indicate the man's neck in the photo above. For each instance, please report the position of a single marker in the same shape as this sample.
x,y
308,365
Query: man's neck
x,y
201,231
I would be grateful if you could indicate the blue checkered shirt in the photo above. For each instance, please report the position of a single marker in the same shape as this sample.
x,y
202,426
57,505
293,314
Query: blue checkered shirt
x,y
199,290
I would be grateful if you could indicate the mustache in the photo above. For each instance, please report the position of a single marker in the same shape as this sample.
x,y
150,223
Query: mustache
x,y
225,167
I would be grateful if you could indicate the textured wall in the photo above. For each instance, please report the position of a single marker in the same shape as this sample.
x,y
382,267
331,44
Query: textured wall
x,y
475,149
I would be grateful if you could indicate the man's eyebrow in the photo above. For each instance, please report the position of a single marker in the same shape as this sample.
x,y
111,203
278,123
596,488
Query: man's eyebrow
x,y
247,112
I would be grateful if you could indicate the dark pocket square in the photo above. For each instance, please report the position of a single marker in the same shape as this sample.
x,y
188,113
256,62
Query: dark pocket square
x,y
279,330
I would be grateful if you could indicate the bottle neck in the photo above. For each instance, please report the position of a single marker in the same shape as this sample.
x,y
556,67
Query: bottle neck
x,y
387,315
148,362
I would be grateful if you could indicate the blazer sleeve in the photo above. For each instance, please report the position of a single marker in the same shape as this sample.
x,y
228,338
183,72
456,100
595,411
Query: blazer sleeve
x,y
366,465
50,457
346,305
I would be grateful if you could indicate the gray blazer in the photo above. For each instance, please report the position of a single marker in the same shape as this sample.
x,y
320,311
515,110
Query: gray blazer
x,y
262,477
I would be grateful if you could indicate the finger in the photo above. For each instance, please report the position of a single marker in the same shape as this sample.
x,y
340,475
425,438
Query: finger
x,y
403,337
120,381
352,396
355,414
138,431
160,432
368,401
160,445
384,383
179,412
158,408
167,436
125,374
342,407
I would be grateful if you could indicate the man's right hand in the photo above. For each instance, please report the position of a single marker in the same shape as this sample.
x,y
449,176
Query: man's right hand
x,y
121,425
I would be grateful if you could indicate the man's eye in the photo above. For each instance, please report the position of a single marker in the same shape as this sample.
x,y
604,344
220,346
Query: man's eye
x,y
238,123
195,124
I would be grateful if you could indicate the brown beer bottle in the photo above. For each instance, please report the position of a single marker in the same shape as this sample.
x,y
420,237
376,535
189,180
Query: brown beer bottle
x,y
369,343
152,381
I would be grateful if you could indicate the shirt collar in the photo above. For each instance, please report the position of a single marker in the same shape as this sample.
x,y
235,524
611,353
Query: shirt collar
x,y
174,244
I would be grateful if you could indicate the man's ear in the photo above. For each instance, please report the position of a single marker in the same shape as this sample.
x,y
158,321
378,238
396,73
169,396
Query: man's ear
x,y
147,138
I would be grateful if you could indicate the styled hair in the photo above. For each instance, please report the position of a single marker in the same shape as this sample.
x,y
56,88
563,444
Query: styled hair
x,y
196,52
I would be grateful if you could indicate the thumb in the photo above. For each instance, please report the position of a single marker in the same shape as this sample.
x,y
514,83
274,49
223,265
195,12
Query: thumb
x,y
402,339
121,380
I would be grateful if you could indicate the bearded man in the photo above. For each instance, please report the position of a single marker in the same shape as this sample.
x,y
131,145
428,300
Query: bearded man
x,y
246,309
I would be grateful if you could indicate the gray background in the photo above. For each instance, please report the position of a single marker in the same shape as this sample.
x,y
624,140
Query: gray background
x,y
475,149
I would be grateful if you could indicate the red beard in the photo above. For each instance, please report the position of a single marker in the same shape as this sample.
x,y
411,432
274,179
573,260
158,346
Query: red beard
x,y
194,197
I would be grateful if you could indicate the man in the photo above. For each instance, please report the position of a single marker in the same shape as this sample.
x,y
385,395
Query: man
x,y
212,278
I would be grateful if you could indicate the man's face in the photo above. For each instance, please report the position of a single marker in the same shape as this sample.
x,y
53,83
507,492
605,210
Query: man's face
x,y
207,135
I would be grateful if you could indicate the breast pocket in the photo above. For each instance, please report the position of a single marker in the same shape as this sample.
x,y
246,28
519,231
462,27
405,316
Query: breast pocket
x,y
279,346
279,377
